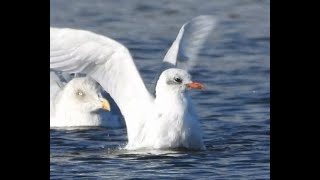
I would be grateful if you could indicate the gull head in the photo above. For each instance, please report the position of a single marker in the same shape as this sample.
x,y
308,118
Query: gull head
x,y
83,94
176,81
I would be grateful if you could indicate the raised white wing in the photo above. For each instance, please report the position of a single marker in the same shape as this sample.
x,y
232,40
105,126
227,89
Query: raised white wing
x,y
192,35
106,61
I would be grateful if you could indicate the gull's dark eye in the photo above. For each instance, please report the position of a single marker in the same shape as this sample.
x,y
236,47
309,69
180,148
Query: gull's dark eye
x,y
80,93
178,80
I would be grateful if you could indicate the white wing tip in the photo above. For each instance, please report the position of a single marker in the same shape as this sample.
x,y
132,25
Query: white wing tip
x,y
205,19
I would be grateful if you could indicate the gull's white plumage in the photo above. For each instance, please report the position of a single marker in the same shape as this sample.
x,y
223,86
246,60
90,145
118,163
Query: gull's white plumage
x,y
167,121
174,122
69,109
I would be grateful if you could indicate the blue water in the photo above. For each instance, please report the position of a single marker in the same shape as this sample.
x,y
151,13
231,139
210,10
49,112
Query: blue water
x,y
234,109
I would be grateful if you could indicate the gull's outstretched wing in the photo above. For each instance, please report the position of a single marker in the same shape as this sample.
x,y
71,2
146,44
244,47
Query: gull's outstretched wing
x,y
106,61
192,35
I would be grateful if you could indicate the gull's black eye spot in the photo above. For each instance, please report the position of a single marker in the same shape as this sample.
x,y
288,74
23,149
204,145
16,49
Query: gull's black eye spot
x,y
178,80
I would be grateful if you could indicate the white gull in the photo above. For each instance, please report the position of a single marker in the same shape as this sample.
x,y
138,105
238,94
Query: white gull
x,y
75,103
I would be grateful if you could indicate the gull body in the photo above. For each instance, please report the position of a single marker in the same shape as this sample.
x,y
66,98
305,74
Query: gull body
x,y
172,123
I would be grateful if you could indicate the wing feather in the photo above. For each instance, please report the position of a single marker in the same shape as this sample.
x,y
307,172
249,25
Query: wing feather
x,y
192,35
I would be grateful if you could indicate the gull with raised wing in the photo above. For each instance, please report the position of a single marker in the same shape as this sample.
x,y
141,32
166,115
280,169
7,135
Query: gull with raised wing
x,y
166,121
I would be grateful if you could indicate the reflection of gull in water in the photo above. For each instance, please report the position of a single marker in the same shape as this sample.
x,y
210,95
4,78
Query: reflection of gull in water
x,y
165,121
76,103
145,154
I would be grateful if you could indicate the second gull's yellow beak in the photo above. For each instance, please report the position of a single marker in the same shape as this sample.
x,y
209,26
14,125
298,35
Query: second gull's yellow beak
x,y
106,104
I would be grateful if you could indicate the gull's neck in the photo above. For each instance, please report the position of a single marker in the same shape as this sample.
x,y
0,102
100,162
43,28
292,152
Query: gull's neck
x,y
170,101
66,116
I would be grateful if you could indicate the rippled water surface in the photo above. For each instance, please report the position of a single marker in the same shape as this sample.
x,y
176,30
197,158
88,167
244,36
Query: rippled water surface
x,y
234,109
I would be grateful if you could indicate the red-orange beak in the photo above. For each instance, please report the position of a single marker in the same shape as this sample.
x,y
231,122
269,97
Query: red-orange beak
x,y
195,85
